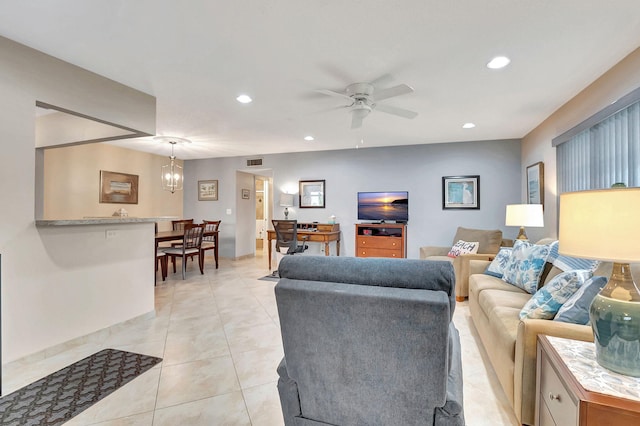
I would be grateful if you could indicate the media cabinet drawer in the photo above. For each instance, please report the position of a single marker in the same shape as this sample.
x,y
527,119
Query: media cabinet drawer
x,y
380,242
378,252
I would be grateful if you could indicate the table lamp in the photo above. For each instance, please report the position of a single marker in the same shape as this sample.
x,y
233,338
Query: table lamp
x,y
604,225
286,201
524,215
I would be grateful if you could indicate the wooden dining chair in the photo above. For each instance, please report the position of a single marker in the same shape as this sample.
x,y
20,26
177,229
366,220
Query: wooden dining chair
x,y
178,225
161,259
191,243
209,241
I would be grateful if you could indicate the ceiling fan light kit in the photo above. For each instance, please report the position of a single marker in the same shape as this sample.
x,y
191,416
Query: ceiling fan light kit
x,y
364,98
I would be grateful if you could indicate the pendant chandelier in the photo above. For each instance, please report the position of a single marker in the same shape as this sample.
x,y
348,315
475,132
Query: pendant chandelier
x,y
172,173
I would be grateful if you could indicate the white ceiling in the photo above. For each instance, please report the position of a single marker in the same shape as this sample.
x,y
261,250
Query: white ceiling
x,y
196,56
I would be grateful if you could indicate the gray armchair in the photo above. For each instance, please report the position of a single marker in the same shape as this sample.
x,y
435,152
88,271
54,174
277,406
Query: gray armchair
x,y
368,342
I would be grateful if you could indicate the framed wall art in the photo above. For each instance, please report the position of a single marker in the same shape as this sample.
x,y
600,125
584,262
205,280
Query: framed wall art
x,y
535,183
118,188
311,194
245,194
207,190
461,192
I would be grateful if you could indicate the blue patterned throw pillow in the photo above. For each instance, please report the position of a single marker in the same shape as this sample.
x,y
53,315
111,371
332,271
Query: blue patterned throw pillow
x,y
568,263
525,265
576,309
496,268
546,302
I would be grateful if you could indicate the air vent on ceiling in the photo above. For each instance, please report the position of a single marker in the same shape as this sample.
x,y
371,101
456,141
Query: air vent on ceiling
x,y
252,162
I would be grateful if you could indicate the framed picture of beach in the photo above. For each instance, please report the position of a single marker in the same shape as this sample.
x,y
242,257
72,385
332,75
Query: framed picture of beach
x,y
118,188
535,183
461,192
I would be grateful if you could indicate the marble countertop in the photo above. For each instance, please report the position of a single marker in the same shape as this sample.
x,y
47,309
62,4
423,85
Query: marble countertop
x,y
107,220
580,358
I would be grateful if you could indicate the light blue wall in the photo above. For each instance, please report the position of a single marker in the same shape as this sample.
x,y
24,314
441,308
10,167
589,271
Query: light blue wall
x,y
417,168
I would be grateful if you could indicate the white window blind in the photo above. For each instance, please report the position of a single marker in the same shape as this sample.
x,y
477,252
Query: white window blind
x,y
604,154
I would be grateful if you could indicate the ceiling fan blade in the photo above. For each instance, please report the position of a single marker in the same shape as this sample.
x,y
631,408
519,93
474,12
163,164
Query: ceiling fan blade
x,y
356,121
400,89
334,94
396,111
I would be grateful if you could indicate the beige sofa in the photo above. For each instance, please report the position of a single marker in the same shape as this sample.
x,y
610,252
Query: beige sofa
x,y
510,342
490,243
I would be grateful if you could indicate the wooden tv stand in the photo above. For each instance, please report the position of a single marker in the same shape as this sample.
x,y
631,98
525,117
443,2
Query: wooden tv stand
x,y
381,240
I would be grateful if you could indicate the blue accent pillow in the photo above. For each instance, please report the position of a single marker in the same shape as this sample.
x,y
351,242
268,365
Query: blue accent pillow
x,y
525,265
576,309
496,267
548,300
568,263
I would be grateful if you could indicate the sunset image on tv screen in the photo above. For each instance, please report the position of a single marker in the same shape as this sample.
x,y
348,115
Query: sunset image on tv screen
x,y
383,206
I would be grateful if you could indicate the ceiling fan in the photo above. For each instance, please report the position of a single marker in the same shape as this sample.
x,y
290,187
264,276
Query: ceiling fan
x,y
364,98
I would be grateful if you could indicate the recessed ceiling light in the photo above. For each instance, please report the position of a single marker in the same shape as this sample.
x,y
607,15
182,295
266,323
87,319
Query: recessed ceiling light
x,y
498,62
244,99
308,138
468,126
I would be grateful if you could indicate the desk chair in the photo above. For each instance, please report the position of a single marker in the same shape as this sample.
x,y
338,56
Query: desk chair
x,y
190,246
209,241
287,238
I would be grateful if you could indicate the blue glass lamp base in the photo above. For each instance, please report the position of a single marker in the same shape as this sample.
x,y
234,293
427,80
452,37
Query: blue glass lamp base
x,y
616,329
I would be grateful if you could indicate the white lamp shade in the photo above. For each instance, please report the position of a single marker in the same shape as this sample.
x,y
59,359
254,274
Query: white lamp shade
x,y
530,215
601,224
286,200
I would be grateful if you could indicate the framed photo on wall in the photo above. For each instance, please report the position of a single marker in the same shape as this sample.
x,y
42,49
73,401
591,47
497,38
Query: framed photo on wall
x,y
461,192
245,194
118,188
207,190
311,194
535,183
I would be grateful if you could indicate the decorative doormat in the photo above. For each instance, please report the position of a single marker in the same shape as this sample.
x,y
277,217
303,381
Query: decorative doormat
x,y
66,393
271,277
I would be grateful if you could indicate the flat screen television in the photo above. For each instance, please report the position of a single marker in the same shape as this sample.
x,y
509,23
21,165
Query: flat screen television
x,y
383,206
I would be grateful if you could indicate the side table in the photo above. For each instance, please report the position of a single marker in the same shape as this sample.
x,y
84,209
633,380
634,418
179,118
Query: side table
x,y
573,389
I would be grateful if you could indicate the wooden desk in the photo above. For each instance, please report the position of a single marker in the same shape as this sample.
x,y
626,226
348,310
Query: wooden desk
x,y
178,235
316,233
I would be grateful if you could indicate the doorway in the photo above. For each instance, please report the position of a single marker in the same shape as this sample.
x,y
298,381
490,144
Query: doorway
x,y
263,216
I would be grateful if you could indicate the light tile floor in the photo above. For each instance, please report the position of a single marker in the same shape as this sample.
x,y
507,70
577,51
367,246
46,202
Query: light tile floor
x,y
219,338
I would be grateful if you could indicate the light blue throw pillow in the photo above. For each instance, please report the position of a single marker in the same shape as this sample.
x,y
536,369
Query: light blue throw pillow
x,y
546,302
496,267
568,263
576,309
525,265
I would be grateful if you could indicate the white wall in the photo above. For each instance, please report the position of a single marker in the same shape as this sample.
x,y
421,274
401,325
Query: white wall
x,y
418,169
536,146
54,282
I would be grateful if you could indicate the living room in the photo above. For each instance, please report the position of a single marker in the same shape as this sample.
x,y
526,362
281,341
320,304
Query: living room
x,y
31,301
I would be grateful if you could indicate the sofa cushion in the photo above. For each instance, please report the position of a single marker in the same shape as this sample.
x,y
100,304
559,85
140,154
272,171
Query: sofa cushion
x,y
483,282
576,309
491,299
526,265
463,247
489,240
505,326
496,267
546,302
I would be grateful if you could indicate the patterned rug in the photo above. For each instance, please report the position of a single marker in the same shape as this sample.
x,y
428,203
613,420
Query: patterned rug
x,y
66,393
